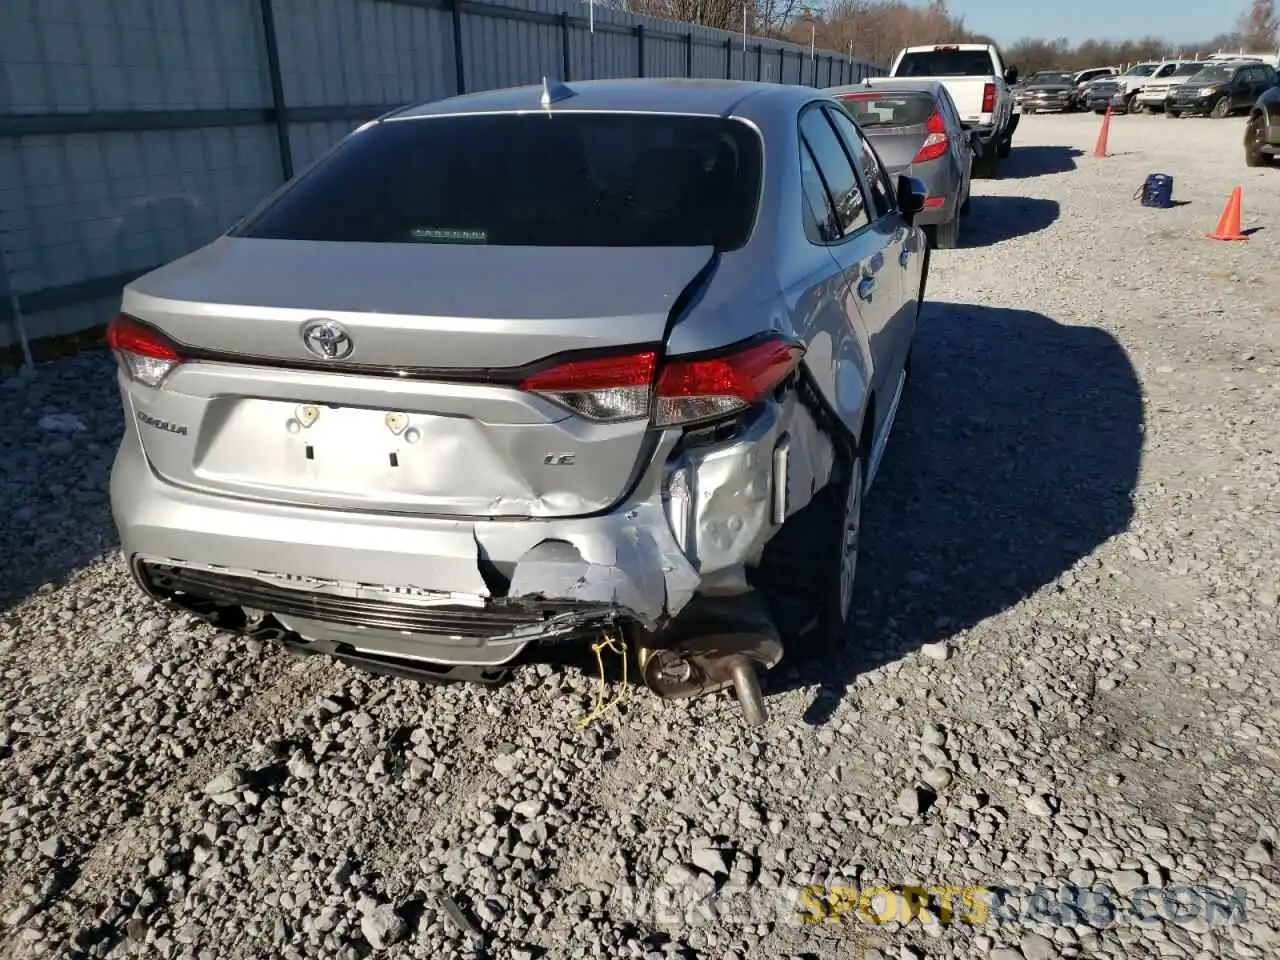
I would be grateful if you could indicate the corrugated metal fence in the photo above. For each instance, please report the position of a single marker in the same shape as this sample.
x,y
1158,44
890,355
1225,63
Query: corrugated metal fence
x,y
136,130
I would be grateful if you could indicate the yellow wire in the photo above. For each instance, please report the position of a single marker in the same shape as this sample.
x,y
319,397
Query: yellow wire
x,y
618,646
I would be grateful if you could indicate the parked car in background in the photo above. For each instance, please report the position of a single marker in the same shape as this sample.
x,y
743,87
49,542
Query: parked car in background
x,y
1083,78
1221,89
1018,88
1262,133
1154,95
916,129
1049,91
343,436
1119,91
979,83
1271,58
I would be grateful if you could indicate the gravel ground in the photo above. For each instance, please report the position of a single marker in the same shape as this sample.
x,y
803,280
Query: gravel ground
x,y
1066,668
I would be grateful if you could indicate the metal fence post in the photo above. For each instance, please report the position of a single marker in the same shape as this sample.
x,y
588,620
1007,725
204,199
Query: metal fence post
x,y
782,64
688,54
277,87
564,45
640,49
728,59
759,61
460,68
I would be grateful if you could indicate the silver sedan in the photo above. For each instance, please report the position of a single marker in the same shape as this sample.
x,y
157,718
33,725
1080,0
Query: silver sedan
x,y
532,366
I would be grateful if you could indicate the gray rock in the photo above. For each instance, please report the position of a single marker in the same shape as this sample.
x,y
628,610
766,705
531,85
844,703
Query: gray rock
x,y
710,860
1038,805
1259,853
382,927
1036,947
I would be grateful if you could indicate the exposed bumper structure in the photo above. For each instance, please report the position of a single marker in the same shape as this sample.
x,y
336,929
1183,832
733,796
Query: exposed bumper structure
x,y
477,592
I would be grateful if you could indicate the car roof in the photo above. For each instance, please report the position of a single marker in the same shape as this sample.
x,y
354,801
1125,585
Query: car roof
x,y
642,95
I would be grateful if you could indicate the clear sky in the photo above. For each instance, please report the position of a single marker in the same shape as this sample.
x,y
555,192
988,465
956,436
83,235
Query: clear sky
x,y
1184,21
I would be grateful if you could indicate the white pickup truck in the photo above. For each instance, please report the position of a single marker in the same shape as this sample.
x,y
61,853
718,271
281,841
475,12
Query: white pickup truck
x,y
979,83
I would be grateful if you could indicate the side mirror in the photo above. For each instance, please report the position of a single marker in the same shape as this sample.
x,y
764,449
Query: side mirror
x,y
912,194
1011,76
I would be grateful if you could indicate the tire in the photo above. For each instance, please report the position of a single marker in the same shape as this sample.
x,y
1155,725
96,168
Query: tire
x,y
801,570
1222,109
967,205
1254,138
836,606
1133,106
984,167
1171,113
946,236
1005,148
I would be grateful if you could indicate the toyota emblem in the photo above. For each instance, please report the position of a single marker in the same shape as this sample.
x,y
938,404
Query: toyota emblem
x,y
327,339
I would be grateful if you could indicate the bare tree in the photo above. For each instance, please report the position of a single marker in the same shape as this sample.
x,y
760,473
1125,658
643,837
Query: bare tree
x,y
1259,27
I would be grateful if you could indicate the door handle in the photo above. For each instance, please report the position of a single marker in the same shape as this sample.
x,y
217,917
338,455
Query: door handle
x,y
866,287
905,256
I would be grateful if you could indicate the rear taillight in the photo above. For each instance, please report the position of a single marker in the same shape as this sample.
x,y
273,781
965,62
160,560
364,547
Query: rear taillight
x,y
599,388
936,143
989,98
142,352
688,390
703,389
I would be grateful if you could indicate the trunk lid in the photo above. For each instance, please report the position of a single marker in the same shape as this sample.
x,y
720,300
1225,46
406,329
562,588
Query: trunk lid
x,y
423,414
897,147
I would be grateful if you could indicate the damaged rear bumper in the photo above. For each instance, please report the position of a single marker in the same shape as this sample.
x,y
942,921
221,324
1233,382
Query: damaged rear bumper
x,y
476,592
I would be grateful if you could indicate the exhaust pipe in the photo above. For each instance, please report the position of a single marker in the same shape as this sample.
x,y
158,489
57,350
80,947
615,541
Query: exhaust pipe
x,y
716,643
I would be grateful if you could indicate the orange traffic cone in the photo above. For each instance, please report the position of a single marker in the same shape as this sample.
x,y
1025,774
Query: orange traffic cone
x,y
1229,222
1101,149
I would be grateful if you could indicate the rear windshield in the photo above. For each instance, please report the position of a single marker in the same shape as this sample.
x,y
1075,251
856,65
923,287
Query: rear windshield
x,y
888,109
584,179
946,63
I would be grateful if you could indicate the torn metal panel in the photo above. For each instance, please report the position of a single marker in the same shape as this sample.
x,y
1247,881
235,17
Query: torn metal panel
x,y
630,565
724,502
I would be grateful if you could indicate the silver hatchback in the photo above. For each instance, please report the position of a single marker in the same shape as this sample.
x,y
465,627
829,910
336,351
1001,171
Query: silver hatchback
x,y
527,366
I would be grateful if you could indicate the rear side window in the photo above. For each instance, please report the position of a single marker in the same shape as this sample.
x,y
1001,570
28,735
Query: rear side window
x,y
873,173
569,179
946,63
835,169
820,221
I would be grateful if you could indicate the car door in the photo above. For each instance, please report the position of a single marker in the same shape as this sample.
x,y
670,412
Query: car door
x,y
830,177
897,272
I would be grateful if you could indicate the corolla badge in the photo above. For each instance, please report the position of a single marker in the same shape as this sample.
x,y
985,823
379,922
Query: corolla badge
x,y
327,339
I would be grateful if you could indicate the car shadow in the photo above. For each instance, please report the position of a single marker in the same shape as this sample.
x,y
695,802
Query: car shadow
x,y
993,219
1015,454
1038,161
62,428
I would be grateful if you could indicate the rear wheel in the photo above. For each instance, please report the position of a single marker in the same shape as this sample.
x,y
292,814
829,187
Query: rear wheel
x,y
946,236
1133,105
837,602
1171,113
1254,141
808,568
1005,147
1221,109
